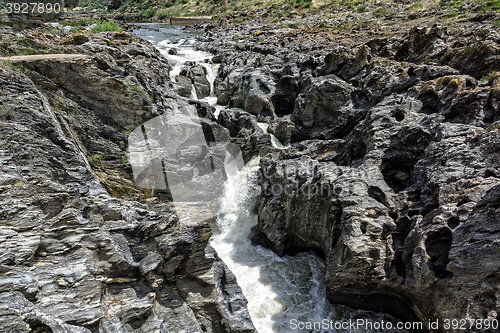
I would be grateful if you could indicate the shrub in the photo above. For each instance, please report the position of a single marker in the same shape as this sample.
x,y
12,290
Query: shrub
x,y
107,26
147,14
362,9
487,77
9,65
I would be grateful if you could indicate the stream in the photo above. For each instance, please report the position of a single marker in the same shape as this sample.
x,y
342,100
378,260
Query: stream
x,y
281,291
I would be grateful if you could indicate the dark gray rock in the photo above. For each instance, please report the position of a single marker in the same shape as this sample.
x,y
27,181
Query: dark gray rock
x,y
76,259
248,88
324,109
183,86
282,129
458,98
245,132
198,75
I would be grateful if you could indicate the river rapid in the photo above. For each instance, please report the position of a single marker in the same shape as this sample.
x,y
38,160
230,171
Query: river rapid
x,y
284,293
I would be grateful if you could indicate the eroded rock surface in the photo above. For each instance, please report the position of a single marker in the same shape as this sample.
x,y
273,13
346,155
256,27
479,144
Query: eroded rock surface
x,y
392,172
82,249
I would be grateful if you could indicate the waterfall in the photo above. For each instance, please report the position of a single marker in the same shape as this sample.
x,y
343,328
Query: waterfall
x,y
280,290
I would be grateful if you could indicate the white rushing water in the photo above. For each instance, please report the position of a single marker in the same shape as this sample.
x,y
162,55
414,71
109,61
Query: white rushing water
x,y
186,52
279,290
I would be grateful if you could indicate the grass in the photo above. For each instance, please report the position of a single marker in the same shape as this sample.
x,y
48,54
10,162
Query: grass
x,y
9,65
107,26
416,6
28,51
381,12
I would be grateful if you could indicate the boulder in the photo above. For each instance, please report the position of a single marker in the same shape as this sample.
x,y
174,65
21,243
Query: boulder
x,y
198,76
323,109
245,132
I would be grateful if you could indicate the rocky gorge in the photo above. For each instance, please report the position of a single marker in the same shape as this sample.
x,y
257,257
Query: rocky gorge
x,y
390,174
83,249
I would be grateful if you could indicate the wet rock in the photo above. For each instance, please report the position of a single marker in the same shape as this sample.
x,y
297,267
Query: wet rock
x,y
198,76
406,220
251,88
282,129
183,86
245,132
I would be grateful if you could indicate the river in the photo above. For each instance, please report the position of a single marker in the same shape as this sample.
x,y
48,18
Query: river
x,y
283,293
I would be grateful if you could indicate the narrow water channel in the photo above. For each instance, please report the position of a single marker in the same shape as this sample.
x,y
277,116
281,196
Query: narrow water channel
x,y
281,291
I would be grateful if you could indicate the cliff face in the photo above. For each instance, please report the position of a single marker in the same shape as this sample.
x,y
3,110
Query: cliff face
x,y
392,173
81,248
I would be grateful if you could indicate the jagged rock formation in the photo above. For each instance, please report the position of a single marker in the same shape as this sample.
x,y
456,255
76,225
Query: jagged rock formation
x,y
392,173
192,74
75,254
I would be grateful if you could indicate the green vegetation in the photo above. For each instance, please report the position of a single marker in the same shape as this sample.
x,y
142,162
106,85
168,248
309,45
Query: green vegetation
x,y
239,11
381,12
125,159
9,65
416,6
450,4
87,4
52,31
489,5
147,14
5,110
81,22
293,25
28,51
487,77
98,158
107,26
